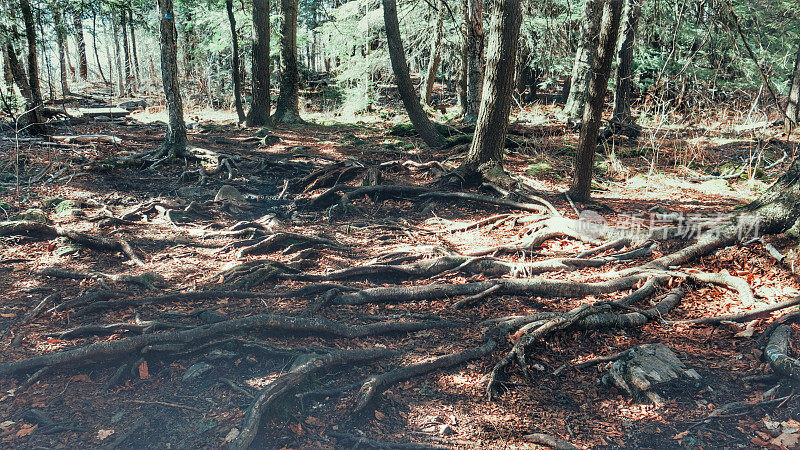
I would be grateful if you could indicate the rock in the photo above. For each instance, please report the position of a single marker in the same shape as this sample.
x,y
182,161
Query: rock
x,y
132,105
191,191
102,119
31,215
196,371
65,205
645,369
232,435
230,194
263,132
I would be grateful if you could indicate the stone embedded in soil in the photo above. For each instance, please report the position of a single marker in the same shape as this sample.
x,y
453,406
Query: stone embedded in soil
x,y
212,316
229,193
196,371
643,369
31,215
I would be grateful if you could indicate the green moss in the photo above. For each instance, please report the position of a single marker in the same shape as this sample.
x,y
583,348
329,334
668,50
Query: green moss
x,y
538,169
51,202
65,205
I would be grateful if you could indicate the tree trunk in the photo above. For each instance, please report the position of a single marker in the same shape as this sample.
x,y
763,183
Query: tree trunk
x,y
175,139
17,71
77,24
408,94
485,154
33,115
627,33
127,61
461,87
436,54
287,109
475,61
793,103
598,85
237,75
584,57
8,76
61,36
259,109
133,48
118,58
94,45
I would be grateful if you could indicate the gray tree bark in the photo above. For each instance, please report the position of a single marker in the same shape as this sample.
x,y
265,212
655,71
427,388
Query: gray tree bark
x,y
175,139
77,25
475,59
485,154
287,108
436,54
793,103
598,86
587,51
61,37
408,94
34,107
624,82
259,109
237,75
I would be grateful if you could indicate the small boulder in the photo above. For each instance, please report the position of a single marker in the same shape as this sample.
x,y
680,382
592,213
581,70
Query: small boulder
x,y
196,371
230,194
651,370
132,105
31,215
102,119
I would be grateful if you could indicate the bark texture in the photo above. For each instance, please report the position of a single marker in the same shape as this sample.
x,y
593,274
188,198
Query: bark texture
x,y
237,75
77,25
259,109
408,94
486,151
436,54
793,103
475,59
624,81
33,116
175,139
598,85
61,37
287,109
587,51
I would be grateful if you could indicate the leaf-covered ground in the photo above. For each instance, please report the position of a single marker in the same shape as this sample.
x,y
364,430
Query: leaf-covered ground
x,y
186,241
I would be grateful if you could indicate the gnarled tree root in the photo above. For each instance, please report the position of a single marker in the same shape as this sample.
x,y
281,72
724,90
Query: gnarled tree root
x,y
104,351
777,353
377,383
584,318
290,380
531,287
23,227
290,242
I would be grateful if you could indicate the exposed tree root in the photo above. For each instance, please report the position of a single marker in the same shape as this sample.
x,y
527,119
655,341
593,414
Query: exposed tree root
x,y
378,383
726,279
530,287
104,351
354,442
742,317
290,242
254,273
103,330
207,295
93,242
290,380
777,353
550,441
592,316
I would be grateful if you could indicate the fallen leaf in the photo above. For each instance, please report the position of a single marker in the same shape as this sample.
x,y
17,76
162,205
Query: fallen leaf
x,y
8,315
144,372
82,377
681,435
379,415
232,435
6,424
53,341
26,430
103,434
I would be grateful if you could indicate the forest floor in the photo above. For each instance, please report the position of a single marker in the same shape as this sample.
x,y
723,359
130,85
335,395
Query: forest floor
x,y
196,395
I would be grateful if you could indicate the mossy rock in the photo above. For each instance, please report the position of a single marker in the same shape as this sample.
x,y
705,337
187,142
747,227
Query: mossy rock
x,y
405,129
540,168
263,132
65,205
51,202
65,246
31,215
